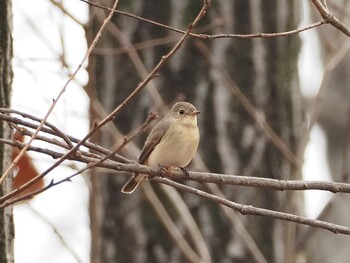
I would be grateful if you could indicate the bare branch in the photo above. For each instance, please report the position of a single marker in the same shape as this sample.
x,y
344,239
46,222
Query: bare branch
x,y
251,210
274,184
217,36
132,167
264,35
57,233
61,7
331,19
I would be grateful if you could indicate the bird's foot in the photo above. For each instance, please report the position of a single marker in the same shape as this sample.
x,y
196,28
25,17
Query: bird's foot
x,y
164,169
186,173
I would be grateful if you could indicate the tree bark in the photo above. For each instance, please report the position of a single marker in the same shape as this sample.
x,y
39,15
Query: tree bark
x,y
6,221
125,228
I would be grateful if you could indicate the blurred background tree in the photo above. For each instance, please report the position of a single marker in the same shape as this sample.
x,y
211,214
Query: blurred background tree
x,y
6,222
127,228
334,112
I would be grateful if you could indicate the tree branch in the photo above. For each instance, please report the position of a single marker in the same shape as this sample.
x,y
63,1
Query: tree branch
x,y
217,36
132,167
331,19
99,159
251,210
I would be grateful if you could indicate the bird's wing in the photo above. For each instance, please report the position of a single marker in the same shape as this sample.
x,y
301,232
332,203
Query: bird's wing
x,y
153,139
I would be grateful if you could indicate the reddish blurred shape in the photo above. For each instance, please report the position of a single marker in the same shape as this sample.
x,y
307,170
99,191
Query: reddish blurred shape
x,y
25,170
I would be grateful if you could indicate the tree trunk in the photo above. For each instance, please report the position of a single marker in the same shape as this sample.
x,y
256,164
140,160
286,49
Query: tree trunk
x,y
125,228
6,222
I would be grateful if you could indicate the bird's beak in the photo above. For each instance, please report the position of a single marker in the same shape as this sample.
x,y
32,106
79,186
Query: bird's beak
x,y
196,112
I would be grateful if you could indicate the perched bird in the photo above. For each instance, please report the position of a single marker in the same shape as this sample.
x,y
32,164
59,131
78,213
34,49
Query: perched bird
x,y
172,142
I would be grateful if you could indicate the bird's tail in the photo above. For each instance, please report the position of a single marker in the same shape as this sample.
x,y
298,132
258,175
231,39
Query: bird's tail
x,y
133,182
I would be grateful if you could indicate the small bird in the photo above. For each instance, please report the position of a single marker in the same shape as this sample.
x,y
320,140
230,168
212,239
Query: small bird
x,y
173,142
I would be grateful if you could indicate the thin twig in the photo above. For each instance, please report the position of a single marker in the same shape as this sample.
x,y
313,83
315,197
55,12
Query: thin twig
x,y
217,178
251,210
16,121
219,22
264,35
55,130
243,209
138,63
92,160
217,36
57,233
202,177
269,183
331,19
208,177
64,10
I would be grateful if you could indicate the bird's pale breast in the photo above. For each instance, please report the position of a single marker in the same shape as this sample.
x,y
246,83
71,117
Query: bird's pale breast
x,y
178,146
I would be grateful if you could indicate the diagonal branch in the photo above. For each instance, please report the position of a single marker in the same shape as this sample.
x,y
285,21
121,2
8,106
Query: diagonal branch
x,y
331,19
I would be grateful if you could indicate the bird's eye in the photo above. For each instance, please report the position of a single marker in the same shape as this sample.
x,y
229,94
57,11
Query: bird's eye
x,y
181,111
